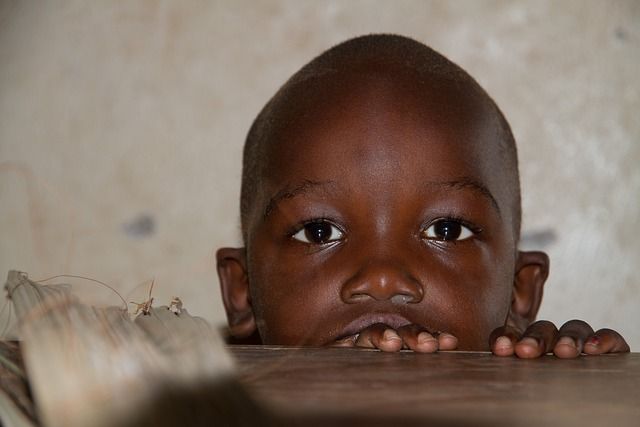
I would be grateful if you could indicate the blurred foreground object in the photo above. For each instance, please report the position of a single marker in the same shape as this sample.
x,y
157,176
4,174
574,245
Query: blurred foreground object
x,y
88,366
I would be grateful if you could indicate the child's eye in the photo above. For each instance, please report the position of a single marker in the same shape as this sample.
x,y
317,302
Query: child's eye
x,y
447,229
318,232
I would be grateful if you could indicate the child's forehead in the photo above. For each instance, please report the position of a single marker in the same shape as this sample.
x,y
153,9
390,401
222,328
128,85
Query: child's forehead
x,y
358,108
363,131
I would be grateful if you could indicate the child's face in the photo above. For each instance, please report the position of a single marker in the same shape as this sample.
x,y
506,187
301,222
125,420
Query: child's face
x,y
378,206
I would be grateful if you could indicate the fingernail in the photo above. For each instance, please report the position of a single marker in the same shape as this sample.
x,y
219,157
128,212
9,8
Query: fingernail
x,y
446,335
503,342
529,341
566,341
390,335
424,337
593,340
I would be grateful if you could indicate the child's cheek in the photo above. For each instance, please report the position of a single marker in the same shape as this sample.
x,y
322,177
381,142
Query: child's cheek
x,y
469,295
291,303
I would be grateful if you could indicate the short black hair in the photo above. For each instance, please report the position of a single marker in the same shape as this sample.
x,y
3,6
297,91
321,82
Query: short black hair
x,y
405,53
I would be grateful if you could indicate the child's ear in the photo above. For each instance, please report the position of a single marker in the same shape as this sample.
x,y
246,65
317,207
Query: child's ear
x,y
234,284
532,270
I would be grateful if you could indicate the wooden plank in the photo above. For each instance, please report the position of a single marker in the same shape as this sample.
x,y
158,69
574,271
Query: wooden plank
x,y
347,386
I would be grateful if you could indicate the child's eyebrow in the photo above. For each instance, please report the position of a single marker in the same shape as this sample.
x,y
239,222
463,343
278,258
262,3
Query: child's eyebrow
x,y
289,192
469,183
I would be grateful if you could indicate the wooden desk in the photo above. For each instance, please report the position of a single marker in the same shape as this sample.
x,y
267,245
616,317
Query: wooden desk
x,y
338,386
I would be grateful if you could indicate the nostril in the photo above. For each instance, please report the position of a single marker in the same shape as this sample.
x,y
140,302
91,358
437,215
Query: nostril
x,y
358,297
402,299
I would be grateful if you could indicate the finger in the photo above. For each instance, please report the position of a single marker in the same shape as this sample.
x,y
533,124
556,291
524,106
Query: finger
x,y
605,341
418,339
379,336
446,341
502,341
538,339
571,339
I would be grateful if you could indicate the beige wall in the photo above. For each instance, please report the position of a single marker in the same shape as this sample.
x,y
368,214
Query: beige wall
x,y
121,127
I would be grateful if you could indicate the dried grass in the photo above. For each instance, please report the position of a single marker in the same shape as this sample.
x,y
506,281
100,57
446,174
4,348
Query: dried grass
x,y
91,366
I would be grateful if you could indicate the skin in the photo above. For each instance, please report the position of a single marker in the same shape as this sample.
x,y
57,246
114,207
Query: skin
x,y
376,170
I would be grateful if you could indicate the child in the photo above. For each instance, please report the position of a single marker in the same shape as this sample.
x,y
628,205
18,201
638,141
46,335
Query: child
x,y
380,208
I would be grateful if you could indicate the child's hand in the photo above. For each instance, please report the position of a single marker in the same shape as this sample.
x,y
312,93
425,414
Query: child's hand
x,y
574,338
413,337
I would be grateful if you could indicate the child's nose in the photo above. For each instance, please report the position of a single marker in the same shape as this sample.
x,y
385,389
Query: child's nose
x,y
381,282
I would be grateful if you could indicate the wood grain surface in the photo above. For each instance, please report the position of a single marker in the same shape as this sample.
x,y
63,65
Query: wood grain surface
x,y
353,387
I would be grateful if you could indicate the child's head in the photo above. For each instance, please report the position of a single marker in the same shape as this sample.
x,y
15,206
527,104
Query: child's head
x,y
380,185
